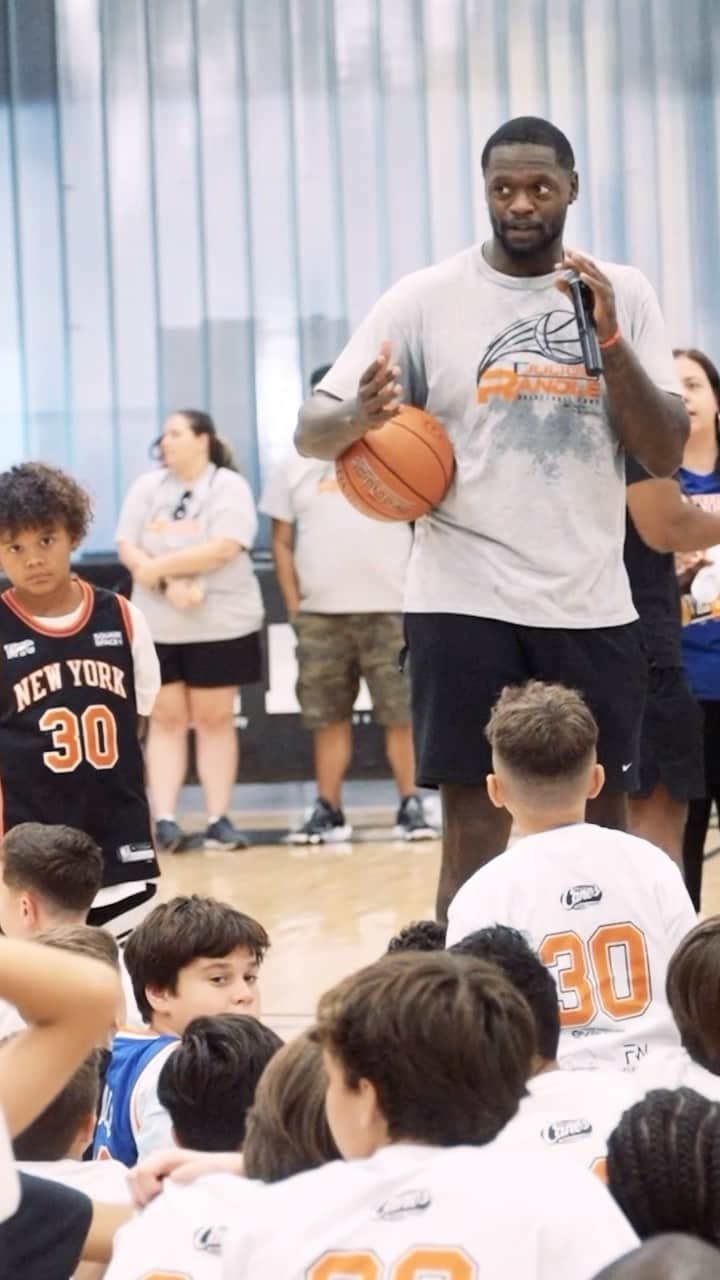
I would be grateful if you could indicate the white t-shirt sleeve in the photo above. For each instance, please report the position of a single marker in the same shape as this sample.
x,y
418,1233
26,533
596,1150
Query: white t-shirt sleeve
x,y
231,509
151,1123
145,662
478,904
396,318
678,913
276,499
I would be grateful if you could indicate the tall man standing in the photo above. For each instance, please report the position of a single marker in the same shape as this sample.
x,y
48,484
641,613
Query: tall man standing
x,y
519,573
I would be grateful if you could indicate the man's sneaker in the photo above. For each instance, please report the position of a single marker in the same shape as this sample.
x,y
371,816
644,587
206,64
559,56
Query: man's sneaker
x,y
170,838
411,823
325,825
224,835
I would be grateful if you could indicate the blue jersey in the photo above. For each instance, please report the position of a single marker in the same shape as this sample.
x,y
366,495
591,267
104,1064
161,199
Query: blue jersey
x,y
701,638
132,1054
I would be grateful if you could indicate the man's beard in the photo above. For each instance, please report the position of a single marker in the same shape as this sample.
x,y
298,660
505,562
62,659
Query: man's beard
x,y
531,248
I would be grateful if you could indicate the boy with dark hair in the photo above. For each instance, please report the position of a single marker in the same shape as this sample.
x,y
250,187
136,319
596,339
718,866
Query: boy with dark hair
x,y
191,957
427,1058
208,1084
53,1145
571,1111
49,875
604,910
421,935
79,668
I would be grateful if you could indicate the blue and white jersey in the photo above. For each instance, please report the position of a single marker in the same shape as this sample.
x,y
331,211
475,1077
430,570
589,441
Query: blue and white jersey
x,y
132,1123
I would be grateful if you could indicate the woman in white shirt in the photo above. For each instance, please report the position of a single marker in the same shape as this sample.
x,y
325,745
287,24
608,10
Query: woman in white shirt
x,y
185,532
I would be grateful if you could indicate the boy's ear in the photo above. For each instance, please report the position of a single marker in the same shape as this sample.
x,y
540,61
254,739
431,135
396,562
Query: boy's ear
x,y
495,791
596,781
158,998
29,908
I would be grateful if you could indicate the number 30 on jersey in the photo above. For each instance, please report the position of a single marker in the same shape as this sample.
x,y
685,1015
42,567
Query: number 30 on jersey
x,y
91,736
609,973
421,1263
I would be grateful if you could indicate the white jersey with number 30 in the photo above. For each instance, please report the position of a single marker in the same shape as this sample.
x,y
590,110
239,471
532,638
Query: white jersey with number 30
x,y
604,911
416,1212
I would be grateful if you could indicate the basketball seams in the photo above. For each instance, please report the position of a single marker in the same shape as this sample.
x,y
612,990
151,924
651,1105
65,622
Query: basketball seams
x,y
397,422
364,499
374,481
421,497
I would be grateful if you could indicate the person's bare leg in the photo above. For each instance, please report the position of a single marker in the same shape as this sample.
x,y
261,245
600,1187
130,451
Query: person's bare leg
x,y
609,809
216,745
166,753
474,832
333,752
401,756
660,818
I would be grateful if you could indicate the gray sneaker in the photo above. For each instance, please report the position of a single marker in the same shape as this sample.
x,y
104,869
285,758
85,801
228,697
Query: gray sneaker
x,y
411,823
170,838
324,826
223,834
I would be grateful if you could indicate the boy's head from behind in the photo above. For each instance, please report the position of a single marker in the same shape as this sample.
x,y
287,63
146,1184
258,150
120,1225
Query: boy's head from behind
x,y
49,875
208,1084
432,1048
287,1131
65,1128
44,515
693,992
544,749
195,957
508,950
421,935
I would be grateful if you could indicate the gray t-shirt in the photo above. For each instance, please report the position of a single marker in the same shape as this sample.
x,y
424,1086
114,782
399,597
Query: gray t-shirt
x,y
532,529
220,505
346,562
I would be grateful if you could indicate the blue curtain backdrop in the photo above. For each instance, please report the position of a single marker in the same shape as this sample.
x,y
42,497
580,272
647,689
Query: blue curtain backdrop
x,y
198,198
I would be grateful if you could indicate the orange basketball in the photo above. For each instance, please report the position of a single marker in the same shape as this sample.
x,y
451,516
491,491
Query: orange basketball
x,y
401,470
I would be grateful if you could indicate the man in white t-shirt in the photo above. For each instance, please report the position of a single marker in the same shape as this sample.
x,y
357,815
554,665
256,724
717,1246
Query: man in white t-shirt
x,y
572,1112
427,1058
519,572
603,910
342,577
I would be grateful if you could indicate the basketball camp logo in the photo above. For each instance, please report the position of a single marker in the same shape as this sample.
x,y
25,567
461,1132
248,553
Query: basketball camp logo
x,y
581,895
563,1131
552,337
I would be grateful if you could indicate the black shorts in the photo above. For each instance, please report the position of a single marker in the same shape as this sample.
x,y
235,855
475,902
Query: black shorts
x,y
212,664
671,739
459,666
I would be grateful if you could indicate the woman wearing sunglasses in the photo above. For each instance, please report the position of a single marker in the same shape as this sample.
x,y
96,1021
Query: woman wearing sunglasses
x,y
185,532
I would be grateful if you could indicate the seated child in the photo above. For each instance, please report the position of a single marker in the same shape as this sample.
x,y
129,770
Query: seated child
x,y
568,1111
49,875
693,993
208,1084
603,910
286,1133
53,1145
191,957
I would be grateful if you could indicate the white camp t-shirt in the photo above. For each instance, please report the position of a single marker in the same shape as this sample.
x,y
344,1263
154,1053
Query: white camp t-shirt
x,y
220,506
573,1112
675,1069
182,1232
104,1180
533,527
432,1208
604,911
345,562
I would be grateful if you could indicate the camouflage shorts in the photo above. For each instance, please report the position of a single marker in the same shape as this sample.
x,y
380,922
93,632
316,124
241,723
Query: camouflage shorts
x,y
334,650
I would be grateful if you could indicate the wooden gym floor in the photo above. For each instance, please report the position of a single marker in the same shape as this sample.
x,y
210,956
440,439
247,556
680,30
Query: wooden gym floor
x,y
329,910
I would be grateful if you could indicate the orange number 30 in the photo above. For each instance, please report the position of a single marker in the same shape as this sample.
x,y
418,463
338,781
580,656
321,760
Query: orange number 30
x,y
92,737
611,973
423,1263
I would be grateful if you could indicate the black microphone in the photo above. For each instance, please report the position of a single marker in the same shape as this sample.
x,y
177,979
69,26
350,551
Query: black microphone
x,y
582,300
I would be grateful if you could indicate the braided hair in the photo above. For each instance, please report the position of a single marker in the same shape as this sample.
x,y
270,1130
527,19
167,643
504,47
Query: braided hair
x,y
664,1164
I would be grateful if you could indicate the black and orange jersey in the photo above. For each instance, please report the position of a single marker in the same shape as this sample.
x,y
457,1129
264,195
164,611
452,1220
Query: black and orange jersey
x,y
69,749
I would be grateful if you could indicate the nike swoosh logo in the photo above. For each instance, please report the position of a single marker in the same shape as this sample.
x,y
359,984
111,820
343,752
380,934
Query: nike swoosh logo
x,y
625,767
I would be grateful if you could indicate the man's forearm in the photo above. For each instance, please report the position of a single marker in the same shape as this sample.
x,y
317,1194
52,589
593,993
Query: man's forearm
x,y
693,529
327,427
287,577
652,425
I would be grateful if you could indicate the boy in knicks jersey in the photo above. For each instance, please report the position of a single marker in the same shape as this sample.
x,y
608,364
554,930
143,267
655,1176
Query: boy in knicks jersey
x,y
427,1058
191,957
78,669
573,1112
604,910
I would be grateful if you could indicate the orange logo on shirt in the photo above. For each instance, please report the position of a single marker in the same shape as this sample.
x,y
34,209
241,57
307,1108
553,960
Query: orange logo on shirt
x,y
537,381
